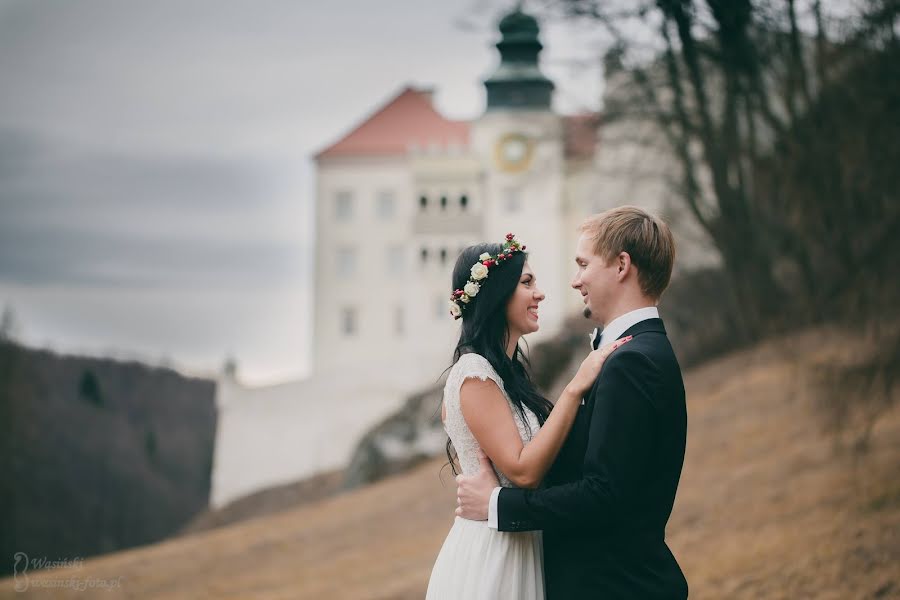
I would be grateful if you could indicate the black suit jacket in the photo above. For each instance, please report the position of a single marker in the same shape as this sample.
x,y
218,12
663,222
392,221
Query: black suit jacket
x,y
612,487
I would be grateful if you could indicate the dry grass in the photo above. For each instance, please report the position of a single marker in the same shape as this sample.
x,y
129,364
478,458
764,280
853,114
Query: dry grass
x,y
767,508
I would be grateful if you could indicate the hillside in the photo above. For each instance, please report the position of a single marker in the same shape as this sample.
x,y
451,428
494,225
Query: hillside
x,y
768,508
98,454
269,501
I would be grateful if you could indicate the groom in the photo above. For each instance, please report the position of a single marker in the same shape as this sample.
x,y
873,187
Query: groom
x,y
604,505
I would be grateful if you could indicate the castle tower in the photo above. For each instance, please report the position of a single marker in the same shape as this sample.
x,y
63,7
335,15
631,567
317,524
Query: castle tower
x,y
520,145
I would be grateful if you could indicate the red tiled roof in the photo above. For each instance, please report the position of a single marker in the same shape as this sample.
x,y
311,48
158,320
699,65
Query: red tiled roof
x,y
580,135
406,120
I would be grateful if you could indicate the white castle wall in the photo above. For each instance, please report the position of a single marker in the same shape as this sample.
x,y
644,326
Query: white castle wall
x,y
280,434
372,288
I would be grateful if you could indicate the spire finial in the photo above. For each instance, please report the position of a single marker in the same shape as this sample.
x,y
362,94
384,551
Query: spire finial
x,y
518,81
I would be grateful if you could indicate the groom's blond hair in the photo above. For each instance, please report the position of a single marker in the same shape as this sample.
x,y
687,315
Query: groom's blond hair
x,y
645,237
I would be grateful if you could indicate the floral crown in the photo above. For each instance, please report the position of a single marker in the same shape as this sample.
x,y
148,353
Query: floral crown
x,y
461,299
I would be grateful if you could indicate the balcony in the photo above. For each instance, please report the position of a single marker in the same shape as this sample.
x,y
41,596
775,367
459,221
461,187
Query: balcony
x,y
453,222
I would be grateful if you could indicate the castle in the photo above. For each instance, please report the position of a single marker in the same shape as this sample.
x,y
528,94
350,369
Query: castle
x,y
402,193
397,198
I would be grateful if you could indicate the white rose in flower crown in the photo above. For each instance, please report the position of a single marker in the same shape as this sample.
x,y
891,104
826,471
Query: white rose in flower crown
x,y
471,288
484,256
464,298
479,271
455,310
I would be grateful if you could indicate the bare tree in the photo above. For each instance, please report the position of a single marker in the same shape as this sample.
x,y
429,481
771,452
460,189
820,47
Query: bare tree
x,y
743,93
782,119
230,367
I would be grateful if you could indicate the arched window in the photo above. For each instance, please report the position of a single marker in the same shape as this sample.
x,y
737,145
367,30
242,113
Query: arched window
x,y
443,256
443,202
424,254
423,202
463,202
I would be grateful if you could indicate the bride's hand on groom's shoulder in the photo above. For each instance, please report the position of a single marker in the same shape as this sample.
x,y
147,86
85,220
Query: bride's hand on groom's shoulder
x,y
590,367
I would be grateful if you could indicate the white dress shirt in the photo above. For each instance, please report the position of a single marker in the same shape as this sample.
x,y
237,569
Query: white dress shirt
x,y
611,332
623,323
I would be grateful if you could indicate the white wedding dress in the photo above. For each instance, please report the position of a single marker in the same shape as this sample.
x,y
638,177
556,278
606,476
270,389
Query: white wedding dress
x,y
477,562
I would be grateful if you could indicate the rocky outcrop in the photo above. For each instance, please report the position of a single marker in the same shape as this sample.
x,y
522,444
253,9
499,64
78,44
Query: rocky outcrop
x,y
412,434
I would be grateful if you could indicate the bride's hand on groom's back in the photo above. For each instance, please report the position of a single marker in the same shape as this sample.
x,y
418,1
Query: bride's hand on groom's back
x,y
590,367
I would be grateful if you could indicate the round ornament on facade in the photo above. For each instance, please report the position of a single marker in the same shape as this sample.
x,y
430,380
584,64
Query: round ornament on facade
x,y
514,152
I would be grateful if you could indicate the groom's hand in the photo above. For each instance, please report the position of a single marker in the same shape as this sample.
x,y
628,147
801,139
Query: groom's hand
x,y
473,492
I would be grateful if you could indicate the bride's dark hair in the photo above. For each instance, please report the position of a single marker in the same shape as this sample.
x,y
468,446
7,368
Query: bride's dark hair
x,y
485,331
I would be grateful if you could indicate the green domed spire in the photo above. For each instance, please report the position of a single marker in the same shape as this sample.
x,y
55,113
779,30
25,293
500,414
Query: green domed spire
x,y
519,24
518,82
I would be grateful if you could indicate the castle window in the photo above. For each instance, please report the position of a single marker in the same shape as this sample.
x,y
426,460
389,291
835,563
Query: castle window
x,y
463,202
348,321
423,202
424,255
385,204
443,202
395,259
346,257
512,200
399,321
443,256
343,205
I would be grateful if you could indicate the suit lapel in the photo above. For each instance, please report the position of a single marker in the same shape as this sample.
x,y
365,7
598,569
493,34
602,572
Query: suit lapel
x,y
645,326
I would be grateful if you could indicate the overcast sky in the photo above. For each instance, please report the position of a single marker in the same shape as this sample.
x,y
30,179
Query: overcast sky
x,y
156,187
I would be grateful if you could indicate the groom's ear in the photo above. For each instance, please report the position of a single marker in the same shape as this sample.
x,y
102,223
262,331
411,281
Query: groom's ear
x,y
623,265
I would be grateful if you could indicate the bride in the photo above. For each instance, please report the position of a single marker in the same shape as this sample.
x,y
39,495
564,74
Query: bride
x,y
491,408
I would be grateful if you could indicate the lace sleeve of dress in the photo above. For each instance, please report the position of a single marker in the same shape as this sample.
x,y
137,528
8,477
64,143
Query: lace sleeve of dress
x,y
477,366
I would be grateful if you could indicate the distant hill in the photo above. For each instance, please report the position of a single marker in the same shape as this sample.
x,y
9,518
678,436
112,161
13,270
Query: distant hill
x,y
769,507
98,455
269,501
